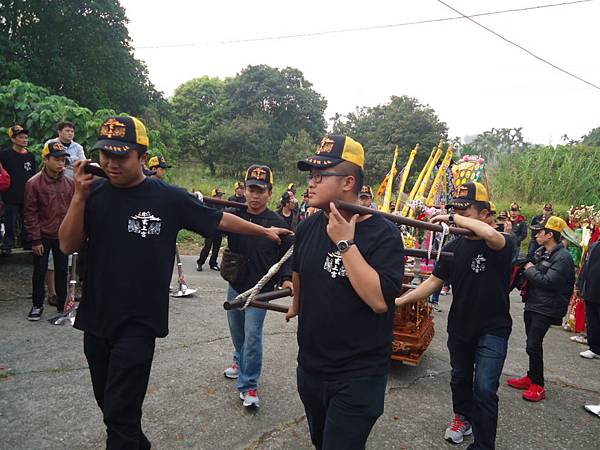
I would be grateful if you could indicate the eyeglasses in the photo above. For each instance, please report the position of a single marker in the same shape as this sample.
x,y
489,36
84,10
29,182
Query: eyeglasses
x,y
318,176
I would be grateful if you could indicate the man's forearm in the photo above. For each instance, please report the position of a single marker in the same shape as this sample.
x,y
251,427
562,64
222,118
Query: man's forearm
x,y
493,238
364,279
234,224
71,233
425,289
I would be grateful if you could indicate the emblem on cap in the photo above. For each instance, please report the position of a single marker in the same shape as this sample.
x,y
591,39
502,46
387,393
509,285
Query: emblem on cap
x,y
326,146
259,173
112,127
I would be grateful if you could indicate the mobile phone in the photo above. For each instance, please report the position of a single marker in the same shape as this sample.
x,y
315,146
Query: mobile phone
x,y
94,169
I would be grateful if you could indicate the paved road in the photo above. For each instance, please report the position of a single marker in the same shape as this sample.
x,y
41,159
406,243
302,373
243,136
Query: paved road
x,y
46,400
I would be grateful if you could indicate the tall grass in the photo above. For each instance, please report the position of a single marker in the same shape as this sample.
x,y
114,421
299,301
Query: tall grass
x,y
567,175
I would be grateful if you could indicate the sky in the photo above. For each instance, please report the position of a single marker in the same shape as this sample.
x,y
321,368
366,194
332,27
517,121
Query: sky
x,y
472,79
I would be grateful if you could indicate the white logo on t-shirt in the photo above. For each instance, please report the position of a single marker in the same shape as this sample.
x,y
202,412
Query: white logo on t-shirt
x,y
27,166
334,265
144,223
478,264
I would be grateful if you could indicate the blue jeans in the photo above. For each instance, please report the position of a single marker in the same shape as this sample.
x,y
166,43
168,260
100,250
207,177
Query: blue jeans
x,y
475,397
246,328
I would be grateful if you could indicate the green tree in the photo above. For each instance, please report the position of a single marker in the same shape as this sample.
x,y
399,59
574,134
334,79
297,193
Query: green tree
x,y
39,111
77,48
283,95
292,150
240,142
497,142
592,138
199,107
404,122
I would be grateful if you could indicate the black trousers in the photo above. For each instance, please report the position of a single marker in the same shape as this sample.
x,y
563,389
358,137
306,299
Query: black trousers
x,y
212,245
40,267
120,369
536,327
592,314
341,414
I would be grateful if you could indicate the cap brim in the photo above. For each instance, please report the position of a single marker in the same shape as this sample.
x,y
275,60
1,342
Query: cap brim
x,y
259,183
318,162
118,147
58,154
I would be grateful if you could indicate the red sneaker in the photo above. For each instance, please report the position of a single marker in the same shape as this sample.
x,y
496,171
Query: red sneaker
x,y
535,393
520,383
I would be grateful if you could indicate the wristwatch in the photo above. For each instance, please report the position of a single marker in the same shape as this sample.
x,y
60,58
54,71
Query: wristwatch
x,y
344,245
451,219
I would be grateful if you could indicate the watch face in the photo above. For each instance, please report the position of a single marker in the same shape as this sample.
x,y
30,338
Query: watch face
x,y
342,246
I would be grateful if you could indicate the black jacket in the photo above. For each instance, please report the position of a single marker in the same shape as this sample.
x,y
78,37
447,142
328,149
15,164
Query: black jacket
x,y
588,282
551,282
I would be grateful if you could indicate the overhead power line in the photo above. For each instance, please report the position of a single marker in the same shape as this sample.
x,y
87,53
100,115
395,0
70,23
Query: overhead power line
x,y
351,30
529,52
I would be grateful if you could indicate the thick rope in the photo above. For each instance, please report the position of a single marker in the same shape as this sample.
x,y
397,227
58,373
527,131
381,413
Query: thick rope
x,y
254,291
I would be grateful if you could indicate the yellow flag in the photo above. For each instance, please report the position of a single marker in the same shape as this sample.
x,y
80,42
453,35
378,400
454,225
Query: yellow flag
x,y
387,199
405,173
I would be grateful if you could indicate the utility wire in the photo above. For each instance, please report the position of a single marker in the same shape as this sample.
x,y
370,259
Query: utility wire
x,y
350,30
545,61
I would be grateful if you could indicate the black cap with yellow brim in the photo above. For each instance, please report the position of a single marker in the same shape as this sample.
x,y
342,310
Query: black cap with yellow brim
x,y
15,130
122,134
468,194
157,161
55,149
333,150
258,175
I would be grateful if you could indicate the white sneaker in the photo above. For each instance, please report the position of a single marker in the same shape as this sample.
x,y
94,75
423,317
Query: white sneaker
x,y
232,371
460,427
250,398
594,409
588,354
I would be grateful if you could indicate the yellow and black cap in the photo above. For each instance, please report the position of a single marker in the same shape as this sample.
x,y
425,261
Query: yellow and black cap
x,y
239,185
216,192
122,134
333,150
469,194
55,149
365,191
15,130
258,175
291,187
158,161
553,223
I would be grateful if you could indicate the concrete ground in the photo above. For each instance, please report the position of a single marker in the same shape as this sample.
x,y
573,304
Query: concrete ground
x,y
46,399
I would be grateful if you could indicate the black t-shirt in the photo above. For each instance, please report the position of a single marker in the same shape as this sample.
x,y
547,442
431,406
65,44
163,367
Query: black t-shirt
x,y
261,252
479,277
235,198
131,251
339,335
21,167
287,219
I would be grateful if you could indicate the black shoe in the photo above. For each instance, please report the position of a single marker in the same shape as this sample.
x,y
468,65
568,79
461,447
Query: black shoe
x,y
35,314
215,267
198,267
52,300
6,251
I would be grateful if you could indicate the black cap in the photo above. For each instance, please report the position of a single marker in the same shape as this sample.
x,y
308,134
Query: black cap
x,y
122,134
333,150
55,149
258,175
468,194
15,130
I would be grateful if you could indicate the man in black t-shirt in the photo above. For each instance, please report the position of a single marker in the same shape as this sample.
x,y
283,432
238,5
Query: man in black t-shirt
x,y
212,243
21,166
238,192
479,321
246,326
347,271
130,224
